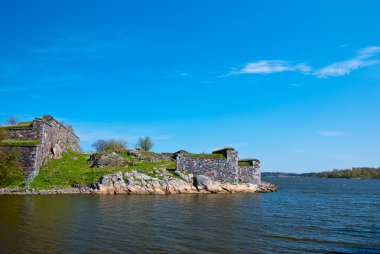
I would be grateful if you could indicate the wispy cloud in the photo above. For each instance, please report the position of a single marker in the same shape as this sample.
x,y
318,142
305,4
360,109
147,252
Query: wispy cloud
x,y
271,66
362,59
332,133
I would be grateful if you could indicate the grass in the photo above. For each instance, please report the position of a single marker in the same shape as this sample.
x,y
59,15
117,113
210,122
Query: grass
x,y
16,127
25,123
74,170
244,164
17,142
206,155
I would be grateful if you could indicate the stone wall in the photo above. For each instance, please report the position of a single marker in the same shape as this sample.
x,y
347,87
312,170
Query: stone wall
x,y
54,138
224,170
23,133
217,169
249,174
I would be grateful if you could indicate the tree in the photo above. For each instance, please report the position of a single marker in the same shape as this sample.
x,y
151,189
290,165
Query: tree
x,y
12,120
111,145
99,145
114,145
145,144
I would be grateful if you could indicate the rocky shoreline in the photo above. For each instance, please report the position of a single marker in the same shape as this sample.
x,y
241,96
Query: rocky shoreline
x,y
140,184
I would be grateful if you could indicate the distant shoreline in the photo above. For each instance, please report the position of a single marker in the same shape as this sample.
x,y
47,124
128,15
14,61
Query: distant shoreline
x,y
354,173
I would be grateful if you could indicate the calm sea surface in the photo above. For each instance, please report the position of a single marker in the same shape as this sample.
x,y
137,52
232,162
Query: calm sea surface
x,y
305,215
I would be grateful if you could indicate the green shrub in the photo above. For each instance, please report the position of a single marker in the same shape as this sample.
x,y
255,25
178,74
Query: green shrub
x,y
145,144
111,145
10,167
114,145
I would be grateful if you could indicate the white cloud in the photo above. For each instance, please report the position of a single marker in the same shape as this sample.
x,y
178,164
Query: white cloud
x,y
368,52
272,66
363,58
332,133
345,67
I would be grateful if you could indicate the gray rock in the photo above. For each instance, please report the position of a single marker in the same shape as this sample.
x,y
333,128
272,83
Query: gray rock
x,y
187,177
100,160
57,151
135,153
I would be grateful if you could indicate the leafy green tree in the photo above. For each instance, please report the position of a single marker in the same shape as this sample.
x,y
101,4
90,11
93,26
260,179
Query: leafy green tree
x,y
145,144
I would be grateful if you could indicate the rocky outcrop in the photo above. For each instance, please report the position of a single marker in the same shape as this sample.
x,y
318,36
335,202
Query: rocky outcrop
x,y
102,160
138,183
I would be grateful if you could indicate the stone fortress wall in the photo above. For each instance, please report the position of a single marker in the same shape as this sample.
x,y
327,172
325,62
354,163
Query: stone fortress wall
x,y
224,170
52,139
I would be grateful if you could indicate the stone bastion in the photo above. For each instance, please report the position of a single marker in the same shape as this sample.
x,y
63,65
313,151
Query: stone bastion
x,y
226,168
39,139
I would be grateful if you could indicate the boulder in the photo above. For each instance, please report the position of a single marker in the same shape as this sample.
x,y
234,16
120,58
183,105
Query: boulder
x,y
112,184
57,151
101,160
187,177
202,182
135,153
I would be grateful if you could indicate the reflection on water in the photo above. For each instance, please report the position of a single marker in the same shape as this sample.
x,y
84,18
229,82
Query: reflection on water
x,y
306,215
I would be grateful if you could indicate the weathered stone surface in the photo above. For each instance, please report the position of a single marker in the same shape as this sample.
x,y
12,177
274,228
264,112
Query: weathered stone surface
x,y
54,138
102,160
225,170
187,177
135,153
221,170
57,151
139,183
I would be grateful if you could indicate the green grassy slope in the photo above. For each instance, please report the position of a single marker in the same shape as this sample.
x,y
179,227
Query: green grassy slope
x,y
74,170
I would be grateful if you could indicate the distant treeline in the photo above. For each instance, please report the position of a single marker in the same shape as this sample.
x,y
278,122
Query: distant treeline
x,y
362,172
359,172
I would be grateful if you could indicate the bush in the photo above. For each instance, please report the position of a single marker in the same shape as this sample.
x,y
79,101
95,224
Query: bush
x,y
145,144
111,145
10,167
114,145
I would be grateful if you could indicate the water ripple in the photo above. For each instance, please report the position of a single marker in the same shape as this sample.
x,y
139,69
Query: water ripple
x,y
306,215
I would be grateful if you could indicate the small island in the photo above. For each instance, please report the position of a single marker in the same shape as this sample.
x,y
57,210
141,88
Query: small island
x,y
43,157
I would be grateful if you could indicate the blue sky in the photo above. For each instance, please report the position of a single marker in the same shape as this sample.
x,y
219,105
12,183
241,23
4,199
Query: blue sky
x,y
293,83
